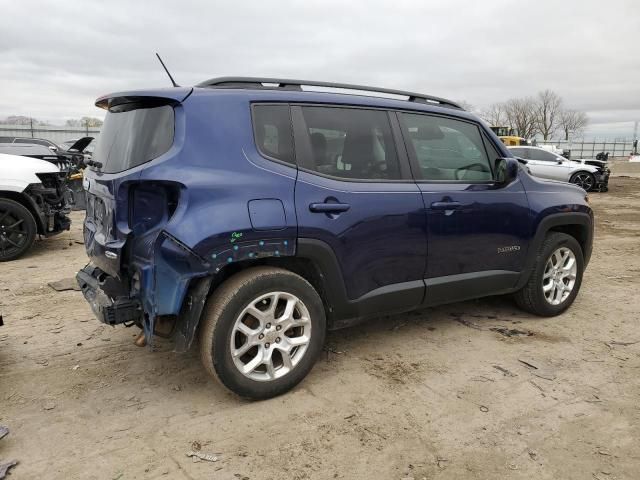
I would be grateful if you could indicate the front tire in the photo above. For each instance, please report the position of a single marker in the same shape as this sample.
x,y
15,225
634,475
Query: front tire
x,y
584,180
262,331
18,230
556,277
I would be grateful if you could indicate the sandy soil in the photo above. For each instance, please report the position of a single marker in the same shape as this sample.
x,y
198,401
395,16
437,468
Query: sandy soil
x,y
446,393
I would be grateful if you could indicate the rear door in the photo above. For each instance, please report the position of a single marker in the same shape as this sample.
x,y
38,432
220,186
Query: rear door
x,y
476,232
355,194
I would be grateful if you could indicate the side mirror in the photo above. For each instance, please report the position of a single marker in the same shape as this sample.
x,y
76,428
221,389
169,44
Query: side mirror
x,y
506,171
52,148
559,162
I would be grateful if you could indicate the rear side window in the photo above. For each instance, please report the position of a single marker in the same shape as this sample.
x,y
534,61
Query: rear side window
x,y
542,155
446,149
130,138
351,143
272,132
520,152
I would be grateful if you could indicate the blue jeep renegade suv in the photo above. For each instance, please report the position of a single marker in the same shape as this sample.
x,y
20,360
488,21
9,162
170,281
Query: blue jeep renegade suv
x,y
257,213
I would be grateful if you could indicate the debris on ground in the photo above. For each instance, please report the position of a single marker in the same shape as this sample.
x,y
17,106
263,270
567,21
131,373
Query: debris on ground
x,y
540,372
65,284
4,431
467,323
620,344
504,371
49,406
202,456
511,332
4,467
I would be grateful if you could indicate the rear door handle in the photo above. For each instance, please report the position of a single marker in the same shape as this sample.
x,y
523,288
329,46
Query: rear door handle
x,y
445,205
329,207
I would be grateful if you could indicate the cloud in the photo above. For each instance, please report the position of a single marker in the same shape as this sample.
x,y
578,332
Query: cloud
x,y
57,57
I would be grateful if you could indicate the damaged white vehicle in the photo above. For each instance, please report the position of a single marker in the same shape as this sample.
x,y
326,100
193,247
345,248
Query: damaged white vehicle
x,y
34,200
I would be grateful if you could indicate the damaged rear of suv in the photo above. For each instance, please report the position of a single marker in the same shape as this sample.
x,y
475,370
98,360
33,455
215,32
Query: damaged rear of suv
x,y
256,215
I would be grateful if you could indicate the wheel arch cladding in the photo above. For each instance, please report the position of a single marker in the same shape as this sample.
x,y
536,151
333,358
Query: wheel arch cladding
x,y
577,224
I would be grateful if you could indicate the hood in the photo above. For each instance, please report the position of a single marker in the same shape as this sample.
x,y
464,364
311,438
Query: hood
x,y
80,145
585,163
556,185
17,172
595,163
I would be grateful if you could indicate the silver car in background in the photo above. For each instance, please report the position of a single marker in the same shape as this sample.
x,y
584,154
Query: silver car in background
x,y
588,174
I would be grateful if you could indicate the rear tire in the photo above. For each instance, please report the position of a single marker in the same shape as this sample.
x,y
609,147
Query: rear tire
x,y
18,230
262,331
584,180
559,266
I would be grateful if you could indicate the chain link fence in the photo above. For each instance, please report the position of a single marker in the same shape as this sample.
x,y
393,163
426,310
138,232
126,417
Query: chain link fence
x,y
53,133
579,148
589,149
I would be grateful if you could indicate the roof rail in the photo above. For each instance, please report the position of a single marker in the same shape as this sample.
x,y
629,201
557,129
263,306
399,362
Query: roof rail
x,y
288,84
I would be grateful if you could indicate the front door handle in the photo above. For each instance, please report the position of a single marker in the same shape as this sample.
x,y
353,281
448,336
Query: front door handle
x,y
329,207
445,205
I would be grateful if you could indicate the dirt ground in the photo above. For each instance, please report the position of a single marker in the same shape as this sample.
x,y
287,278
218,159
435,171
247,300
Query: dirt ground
x,y
473,390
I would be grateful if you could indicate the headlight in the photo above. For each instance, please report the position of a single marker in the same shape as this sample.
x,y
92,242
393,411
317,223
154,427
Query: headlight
x,y
50,179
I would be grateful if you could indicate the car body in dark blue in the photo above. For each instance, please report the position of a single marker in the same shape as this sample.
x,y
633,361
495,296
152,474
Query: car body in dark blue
x,y
192,186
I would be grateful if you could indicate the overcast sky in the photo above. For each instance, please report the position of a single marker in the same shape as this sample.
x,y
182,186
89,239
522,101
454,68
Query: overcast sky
x,y
57,57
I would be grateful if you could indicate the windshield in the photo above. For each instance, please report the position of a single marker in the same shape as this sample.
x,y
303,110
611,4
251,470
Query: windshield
x,y
131,138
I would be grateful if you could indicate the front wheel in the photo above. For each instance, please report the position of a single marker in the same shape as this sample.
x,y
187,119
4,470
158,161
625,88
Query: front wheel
x,y
556,277
585,180
262,331
18,230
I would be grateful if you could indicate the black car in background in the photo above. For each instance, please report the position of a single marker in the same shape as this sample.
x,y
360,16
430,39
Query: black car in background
x,y
74,152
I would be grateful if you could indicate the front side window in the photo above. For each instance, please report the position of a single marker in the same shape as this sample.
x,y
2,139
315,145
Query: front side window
x,y
351,143
272,131
446,149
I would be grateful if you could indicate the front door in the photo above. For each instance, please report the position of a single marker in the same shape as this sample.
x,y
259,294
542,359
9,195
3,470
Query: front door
x,y
354,193
548,165
476,232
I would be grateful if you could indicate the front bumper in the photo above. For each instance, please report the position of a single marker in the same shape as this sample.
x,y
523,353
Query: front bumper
x,y
602,181
107,297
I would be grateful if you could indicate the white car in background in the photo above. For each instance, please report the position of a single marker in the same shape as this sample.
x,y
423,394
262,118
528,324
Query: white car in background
x,y
34,200
588,174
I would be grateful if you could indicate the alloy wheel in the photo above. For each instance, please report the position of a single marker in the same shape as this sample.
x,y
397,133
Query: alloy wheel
x,y
13,234
270,336
584,180
559,276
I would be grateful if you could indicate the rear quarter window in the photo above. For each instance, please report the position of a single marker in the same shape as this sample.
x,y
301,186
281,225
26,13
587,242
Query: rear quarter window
x,y
273,132
131,138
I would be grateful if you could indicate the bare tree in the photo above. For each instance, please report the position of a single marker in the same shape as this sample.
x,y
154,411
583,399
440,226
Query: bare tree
x,y
466,105
89,122
22,120
495,115
521,116
548,113
573,122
